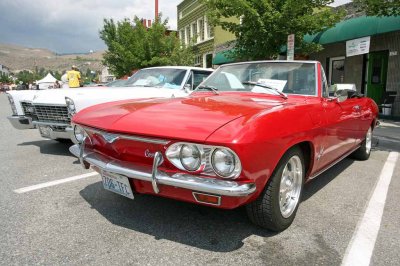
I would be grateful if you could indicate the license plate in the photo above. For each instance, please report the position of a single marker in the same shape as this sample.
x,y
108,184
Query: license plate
x,y
117,183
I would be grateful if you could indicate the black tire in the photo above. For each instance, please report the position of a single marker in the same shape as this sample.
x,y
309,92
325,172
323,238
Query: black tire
x,y
364,151
265,210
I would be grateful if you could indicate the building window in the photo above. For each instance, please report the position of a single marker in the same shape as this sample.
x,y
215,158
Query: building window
x,y
180,15
187,35
182,36
336,70
194,30
209,29
198,60
200,30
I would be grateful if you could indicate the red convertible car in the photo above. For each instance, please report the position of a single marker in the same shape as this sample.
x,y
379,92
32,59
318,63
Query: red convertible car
x,y
251,134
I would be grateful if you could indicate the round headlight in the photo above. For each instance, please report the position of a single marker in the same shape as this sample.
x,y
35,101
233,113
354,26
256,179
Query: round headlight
x,y
190,157
79,134
70,105
223,162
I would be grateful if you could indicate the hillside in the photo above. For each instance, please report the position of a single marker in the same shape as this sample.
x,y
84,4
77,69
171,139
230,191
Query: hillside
x,y
22,58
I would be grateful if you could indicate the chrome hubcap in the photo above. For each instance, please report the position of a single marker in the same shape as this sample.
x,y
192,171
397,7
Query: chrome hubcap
x,y
290,186
368,141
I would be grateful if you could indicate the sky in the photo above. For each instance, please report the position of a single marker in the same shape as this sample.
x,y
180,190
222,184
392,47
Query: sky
x,y
69,26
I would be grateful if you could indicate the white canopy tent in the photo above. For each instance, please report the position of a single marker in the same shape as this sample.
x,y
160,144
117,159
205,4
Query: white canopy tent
x,y
47,82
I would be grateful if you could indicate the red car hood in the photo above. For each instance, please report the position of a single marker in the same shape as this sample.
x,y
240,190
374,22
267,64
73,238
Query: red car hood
x,y
190,118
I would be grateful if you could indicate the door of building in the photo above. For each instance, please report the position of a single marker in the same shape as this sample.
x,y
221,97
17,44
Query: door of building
x,y
376,77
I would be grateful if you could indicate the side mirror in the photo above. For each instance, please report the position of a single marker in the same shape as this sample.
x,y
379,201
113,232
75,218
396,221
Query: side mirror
x,y
341,95
188,88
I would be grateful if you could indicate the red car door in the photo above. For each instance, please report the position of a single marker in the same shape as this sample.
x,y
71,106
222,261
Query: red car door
x,y
341,129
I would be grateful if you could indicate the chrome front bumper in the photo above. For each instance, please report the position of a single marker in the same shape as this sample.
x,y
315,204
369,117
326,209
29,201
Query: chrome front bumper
x,y
21,122
46,131
156,177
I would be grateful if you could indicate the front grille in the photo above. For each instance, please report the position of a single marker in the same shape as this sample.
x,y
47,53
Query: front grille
x,y
52,113
28,109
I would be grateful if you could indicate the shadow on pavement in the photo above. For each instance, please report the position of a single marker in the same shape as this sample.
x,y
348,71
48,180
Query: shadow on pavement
x,y
325,178
50,147
189,224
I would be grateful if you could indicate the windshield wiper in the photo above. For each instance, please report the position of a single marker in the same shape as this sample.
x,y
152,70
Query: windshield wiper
x,y
207,87
283,95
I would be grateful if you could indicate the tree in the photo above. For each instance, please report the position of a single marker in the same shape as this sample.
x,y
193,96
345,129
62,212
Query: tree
x,y
133,46
265,24
379,7
5,78
26,77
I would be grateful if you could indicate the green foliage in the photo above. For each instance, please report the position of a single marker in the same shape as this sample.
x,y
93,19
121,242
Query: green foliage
x,y
266,24
132,46
379,7
5,78
26,76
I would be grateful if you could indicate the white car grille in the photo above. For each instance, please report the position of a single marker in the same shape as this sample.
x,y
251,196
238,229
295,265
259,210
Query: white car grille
x,y
28,109
52,113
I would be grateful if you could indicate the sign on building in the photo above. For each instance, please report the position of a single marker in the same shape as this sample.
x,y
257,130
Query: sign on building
x,y
358,46
290,47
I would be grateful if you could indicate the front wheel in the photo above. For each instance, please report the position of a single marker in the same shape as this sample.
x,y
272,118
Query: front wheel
x,y
277,205
364,151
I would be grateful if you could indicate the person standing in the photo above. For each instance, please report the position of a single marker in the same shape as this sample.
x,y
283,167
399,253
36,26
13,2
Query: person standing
x,y
74,77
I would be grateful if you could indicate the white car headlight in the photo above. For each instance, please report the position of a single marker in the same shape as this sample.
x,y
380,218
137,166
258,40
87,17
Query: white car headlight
x,y
79,133
225,163
12,103
190,157
71,106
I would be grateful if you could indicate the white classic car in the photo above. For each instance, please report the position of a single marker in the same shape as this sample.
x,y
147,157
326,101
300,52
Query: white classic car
x,y
50,111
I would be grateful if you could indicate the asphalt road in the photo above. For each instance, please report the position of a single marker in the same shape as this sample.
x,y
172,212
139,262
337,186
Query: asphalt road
x,y
78,222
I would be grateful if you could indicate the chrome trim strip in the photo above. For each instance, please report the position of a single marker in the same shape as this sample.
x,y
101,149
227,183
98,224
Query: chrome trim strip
x,y
191,182
333,163
51,124
113,136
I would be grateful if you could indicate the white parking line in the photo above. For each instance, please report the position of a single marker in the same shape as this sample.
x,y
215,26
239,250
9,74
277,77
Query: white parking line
x,y
54,183
362,244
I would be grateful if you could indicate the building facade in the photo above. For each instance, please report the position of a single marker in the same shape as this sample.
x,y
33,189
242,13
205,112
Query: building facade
x,y
4,70
194,29
364,51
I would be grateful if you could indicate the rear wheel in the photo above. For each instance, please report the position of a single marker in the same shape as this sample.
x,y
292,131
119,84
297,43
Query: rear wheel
x,y
277,205
364,151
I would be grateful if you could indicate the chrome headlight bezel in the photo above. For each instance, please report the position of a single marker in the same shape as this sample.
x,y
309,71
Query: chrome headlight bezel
x,y
12,104
235,169
173,154
70,106
195,156
79,133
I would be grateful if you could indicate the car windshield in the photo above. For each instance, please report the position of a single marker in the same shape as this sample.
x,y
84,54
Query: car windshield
x,y
264,77
157,77
117,83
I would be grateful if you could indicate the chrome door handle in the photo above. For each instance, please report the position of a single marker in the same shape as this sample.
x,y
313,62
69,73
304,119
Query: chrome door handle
x,y
357,108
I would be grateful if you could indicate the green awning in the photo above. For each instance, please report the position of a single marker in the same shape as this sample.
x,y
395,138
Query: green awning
x,y
356,28
222,58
